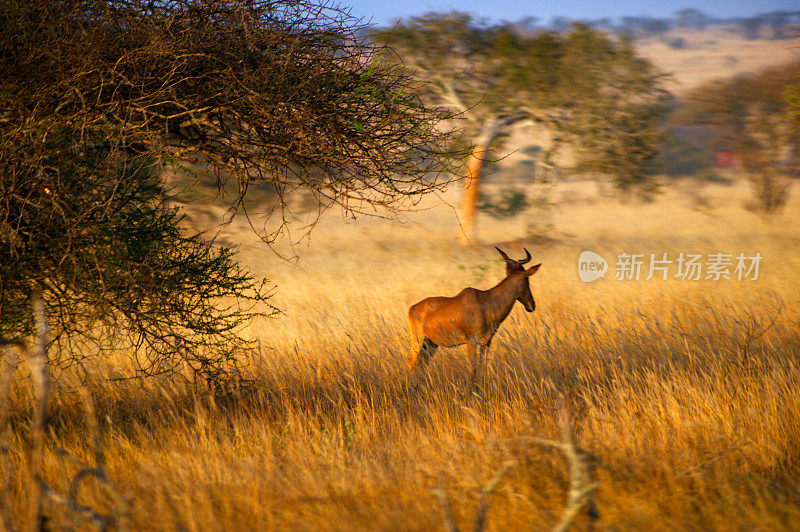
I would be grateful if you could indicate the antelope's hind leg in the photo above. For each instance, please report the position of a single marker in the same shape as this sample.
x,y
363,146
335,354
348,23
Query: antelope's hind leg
x,y
424,355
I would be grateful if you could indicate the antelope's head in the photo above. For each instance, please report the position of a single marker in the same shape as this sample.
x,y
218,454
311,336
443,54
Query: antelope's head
x,y
516,270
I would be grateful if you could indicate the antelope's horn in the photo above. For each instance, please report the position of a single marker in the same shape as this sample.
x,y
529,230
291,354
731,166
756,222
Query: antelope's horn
x,y
527,257
505,257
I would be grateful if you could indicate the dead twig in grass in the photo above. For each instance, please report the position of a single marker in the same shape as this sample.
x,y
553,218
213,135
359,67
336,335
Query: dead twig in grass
x,y
38,363
712,458
119,516
449,521
8,365
483,504
581,485
39,493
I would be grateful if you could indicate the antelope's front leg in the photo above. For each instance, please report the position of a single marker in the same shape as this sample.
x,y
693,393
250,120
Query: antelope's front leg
x,y
476,351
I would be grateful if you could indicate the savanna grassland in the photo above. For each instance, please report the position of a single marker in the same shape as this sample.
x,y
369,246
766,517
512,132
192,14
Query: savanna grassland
x,y
687,393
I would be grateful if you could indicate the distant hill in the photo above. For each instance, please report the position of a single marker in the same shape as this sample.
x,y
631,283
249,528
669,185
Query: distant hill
x,y
696,47
696,56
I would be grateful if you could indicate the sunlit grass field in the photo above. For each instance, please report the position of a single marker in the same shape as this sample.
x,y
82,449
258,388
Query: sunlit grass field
x,y
686,393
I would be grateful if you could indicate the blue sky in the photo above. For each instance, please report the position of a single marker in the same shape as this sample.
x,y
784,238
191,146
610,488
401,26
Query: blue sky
x,y
382,12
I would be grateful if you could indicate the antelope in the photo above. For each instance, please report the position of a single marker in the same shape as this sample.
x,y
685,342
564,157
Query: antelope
x,y
472,317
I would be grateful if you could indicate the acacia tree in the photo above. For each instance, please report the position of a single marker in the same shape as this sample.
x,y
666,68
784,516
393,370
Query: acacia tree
x,y
590,90
97,95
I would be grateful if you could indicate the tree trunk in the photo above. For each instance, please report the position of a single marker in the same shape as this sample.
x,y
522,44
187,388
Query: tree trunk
x,y
469,210
472,181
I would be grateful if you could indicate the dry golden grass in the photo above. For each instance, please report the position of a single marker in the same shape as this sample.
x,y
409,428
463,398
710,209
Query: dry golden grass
x,y
685,394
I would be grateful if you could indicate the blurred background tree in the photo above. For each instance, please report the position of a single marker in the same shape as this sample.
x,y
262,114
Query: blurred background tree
x,y
590,90
793,103
685,151
97,96
751,115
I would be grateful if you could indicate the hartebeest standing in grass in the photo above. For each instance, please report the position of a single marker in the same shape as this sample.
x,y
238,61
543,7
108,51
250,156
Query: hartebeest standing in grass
x,y
472,317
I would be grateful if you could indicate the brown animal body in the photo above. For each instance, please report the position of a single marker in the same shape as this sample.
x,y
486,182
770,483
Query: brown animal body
x,y
472,317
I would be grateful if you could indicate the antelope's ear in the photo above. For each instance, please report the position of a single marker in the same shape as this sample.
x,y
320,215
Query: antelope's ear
x,y
502,254
533,269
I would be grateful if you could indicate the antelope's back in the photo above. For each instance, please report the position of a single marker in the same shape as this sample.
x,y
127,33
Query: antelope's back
x,y
462,302
447,320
